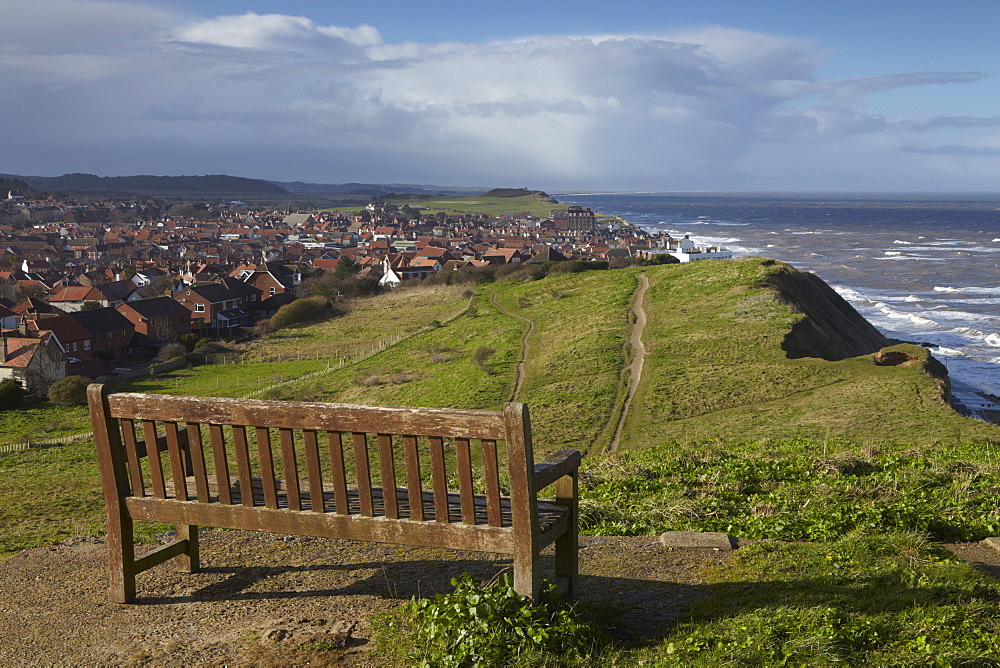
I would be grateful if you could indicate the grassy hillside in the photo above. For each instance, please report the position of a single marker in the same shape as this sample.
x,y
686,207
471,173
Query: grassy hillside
x,y
727,357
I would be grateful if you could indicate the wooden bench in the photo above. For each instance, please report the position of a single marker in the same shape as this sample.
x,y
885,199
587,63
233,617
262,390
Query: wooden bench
x,y
341,449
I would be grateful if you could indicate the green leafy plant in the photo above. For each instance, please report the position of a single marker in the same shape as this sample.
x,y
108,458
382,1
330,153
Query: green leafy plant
x,y
484,625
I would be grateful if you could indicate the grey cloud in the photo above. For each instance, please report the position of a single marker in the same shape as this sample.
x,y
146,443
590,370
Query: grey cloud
x,y
857,88
955,149
612,111
938,122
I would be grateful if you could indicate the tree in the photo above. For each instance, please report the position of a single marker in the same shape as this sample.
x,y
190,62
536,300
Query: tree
x,y
69,391
90,305
11,394
345,267
46,367
161,329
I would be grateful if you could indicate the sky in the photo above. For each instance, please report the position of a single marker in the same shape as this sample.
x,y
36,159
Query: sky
x,y
674,95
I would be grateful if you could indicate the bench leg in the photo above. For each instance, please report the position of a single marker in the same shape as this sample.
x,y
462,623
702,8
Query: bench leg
x,y
121,560
188,562
526,575
567,557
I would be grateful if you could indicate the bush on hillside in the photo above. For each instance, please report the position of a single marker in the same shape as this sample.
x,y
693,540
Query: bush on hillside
x,y
69,391
172,351
298,311
193,340
11,394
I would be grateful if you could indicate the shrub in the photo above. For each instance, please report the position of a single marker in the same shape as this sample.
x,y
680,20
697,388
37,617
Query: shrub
x,y
484,625
11,394
481,356
173,350
298,311
69,391
190,341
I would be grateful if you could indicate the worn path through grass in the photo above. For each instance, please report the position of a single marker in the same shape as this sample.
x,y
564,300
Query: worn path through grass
x,y
634,370
524,344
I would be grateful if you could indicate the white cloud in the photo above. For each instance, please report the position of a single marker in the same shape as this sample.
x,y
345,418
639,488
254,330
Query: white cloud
x,y
284,97
269,31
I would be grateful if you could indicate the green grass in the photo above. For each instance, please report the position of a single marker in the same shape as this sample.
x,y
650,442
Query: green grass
x,y
51,494
434,368
42,421
367,320
223,380
890,600
576,354
715,368
796,490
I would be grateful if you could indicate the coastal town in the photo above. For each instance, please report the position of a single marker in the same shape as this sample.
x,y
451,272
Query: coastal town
x,y
96,287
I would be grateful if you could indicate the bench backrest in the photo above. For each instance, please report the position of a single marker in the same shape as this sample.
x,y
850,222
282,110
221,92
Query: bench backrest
x,y
246,444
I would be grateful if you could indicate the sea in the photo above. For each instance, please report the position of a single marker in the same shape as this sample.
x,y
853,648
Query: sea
x,y
922,268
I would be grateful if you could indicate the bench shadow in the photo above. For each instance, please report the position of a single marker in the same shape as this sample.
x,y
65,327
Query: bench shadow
x,y
636,611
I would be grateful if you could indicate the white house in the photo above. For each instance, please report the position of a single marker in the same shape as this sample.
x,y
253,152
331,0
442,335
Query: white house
x,y
688,252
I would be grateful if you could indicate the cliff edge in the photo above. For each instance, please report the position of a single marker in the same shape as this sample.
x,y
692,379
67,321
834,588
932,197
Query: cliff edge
x,y
831,329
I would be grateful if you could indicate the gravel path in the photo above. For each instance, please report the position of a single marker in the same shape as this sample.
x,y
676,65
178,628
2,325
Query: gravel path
x,y
55,609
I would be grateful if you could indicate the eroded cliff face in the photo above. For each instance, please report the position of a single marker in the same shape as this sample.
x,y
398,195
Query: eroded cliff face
x,y
831,328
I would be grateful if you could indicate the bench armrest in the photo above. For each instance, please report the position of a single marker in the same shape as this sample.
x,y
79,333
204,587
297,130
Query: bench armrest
x,y
562,462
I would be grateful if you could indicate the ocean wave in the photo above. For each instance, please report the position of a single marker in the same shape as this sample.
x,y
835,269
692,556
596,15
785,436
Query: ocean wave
x,y
967,290
897,241
993,340
948,352
893,253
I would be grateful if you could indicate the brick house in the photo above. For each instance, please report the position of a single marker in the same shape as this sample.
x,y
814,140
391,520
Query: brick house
x,y
213,306
112,331
160,318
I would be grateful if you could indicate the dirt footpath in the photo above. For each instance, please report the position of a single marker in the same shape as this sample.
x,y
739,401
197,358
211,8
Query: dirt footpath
x,y
263,598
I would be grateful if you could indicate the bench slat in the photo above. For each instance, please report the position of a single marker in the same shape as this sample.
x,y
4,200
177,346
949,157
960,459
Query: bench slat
x,y
364,474
132,450
336,447
178,470
439,479
197,452
313,470
291,464
387,472
155,464
243,462
491,473
218,439
449,422
411,457
266,455
464,463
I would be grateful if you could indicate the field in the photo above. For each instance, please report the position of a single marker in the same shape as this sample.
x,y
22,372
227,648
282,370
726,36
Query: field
x,y
493,206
